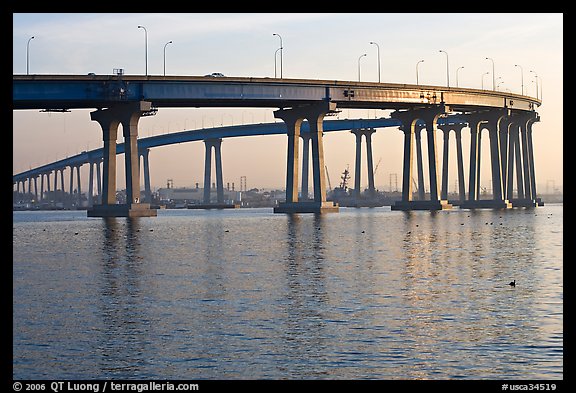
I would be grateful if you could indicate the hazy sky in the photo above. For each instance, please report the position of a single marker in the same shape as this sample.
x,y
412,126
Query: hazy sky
x,y
316,46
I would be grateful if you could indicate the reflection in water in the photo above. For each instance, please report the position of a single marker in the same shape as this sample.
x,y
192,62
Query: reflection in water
x,y
304,334
124,331
248,294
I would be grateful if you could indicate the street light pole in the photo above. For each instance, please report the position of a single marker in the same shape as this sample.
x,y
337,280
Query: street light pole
x,y
521,77
28,55
145,46
421,61
486,73
447,69
458,69
536,77
281,51
165,45
361,56
378,49
493,74
275,53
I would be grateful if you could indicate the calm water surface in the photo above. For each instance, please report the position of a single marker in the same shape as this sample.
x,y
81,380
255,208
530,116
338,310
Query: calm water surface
x,y
249,294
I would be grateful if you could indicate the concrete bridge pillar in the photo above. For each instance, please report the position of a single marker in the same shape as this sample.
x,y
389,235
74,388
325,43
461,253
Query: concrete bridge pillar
x,y
62,184
145,153
79,188
41,195
304,191
457,128
98,182
71,186
128,114
493,121
293,119
419,162
91,184
533,119
522,151
409,121
367,133
215,143
460,163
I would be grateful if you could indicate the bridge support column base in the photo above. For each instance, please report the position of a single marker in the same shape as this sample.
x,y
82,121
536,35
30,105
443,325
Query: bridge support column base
x,y
122,210
526,202
307,207
486,204
422,205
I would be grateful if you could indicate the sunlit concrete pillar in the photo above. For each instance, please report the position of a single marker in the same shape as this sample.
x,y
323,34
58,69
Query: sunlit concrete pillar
x,y
446,132
513,135
109,124
304,191
370,161
519,166
460,163
145,153
409,120
525,160
474,122
128,114
495,160
218,167
207,170
293,119
432,156
419,162
315,117
534,118
504,134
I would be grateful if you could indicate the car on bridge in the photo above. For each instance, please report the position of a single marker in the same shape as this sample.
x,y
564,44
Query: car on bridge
x,y
216,74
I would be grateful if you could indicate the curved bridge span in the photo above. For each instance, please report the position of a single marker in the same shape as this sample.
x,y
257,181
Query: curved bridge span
x,y
123,99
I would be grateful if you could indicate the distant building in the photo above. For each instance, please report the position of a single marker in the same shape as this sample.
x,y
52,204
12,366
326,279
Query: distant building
x,y
180,197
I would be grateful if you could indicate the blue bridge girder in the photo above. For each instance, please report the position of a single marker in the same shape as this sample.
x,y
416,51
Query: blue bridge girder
x,y
278,128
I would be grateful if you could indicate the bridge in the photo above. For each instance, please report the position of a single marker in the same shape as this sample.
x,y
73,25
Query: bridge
x,y
123,99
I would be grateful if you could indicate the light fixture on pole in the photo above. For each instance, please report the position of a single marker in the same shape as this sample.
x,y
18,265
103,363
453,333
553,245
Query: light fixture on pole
x,y
447,69
521,77
421,61
281,51
486,73
493,74
145,46
378,51
361,56
536,78
458,69
165,45
28,55
275,55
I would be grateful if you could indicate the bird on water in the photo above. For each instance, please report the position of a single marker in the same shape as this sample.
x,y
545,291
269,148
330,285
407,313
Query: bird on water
x,y
512,283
